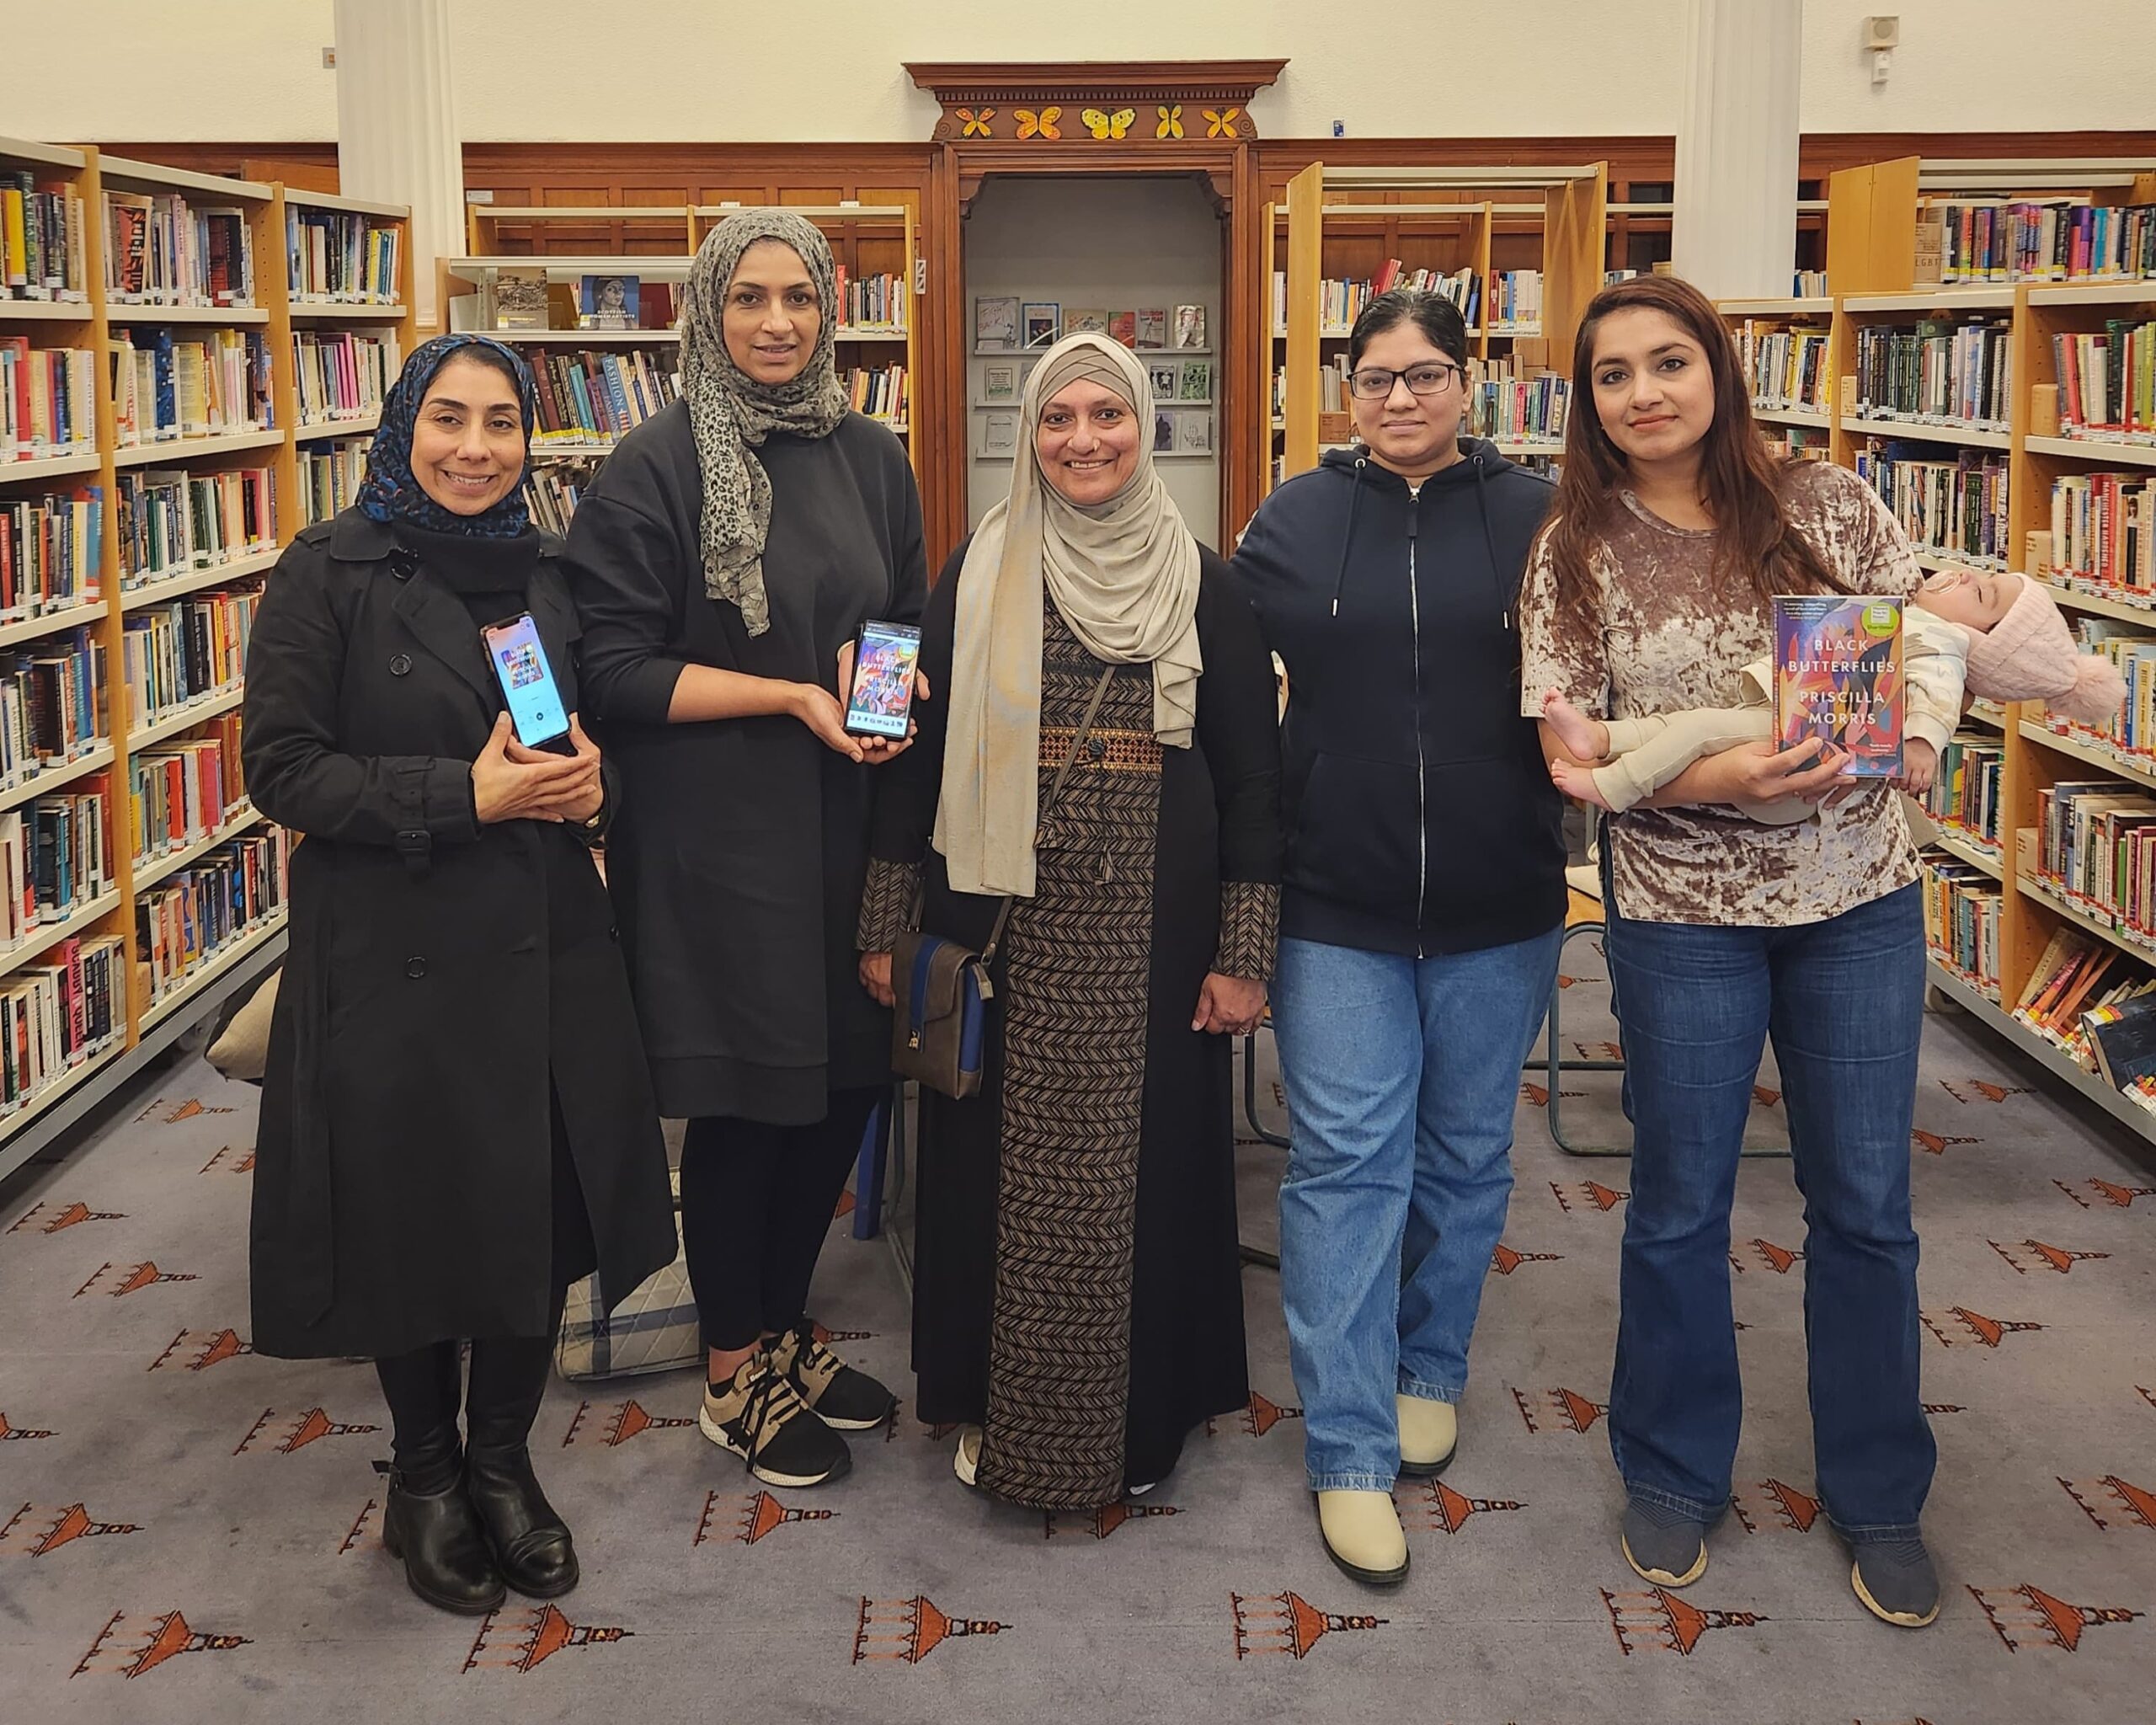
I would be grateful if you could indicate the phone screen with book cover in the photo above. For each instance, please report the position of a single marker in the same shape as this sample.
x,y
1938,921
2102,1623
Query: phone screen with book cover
x,y
527,683
1837,676
880,703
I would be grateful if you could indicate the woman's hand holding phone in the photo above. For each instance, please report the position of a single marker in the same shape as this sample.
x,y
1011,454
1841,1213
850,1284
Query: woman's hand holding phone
x,y
512,782
825,714
874,750
582,797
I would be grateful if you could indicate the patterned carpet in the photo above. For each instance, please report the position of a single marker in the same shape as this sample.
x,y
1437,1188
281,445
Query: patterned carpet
x,y
197,1537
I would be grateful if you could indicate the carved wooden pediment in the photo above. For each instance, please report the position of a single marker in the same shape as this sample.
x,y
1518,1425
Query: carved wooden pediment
x,y
1069,109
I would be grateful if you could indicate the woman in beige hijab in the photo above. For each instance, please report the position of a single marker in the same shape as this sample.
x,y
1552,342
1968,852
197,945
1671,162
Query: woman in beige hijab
x,y
1077,1294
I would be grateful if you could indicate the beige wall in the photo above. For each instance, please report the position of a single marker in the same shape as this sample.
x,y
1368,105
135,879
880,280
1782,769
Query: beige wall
x,y
701,70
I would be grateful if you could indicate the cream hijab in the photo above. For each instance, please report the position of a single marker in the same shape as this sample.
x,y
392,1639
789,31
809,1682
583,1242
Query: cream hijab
x,y
1123,574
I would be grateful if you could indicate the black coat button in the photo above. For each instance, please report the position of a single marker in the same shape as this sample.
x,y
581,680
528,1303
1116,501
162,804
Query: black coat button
x,y
614,934
1096,747
415,967
400,664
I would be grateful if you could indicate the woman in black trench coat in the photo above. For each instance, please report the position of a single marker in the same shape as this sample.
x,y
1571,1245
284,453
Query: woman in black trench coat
x,y
457,1120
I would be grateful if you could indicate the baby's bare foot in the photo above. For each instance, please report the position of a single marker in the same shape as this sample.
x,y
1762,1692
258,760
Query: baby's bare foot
x,y
1576,781
1584,738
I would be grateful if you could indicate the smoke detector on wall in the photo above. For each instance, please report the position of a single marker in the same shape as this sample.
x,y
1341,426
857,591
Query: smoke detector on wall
x,y
1882,36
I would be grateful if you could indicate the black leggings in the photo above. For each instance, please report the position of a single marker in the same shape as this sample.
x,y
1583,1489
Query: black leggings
x,y
756,1203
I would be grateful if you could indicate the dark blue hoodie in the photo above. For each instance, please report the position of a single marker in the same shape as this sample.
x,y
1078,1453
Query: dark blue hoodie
x,y
1421,818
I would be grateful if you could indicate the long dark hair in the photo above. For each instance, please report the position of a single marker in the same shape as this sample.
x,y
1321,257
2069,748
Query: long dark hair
x,y
1757,552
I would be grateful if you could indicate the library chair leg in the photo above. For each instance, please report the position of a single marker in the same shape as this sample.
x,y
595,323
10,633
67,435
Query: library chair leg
x,y
891,1187
1257,1255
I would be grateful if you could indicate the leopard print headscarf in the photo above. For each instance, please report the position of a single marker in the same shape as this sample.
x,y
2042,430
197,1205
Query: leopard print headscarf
x,y
731,413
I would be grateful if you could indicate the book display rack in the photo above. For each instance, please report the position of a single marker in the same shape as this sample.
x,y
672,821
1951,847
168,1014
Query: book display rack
x,y
1344,234
2011,425
602,330
177,348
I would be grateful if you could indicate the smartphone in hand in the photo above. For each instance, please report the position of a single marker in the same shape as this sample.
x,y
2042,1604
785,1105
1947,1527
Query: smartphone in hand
x,y
536,707
880,702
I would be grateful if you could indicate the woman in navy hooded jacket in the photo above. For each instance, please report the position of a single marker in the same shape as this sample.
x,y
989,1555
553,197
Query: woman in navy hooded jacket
x,y
1422,912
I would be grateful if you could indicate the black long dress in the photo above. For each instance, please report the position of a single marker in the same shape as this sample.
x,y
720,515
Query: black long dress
x,y
736,860
1077,1286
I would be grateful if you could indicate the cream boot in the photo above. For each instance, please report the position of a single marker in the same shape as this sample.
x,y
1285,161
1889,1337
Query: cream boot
x,y
1430,1432
1363,1534
966,1463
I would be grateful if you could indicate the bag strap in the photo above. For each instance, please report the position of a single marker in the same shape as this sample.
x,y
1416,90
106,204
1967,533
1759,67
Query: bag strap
x,y
1055,793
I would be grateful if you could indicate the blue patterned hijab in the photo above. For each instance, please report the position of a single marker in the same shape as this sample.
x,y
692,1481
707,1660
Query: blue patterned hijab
x,y
391,494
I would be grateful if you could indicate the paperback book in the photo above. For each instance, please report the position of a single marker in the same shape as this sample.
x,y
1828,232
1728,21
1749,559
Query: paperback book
x,y
1838,678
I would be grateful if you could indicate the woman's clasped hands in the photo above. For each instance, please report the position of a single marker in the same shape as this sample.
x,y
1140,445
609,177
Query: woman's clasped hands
x,y
512,782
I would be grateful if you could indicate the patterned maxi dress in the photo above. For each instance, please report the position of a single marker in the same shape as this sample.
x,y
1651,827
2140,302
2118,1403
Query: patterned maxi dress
x,y
1077,1286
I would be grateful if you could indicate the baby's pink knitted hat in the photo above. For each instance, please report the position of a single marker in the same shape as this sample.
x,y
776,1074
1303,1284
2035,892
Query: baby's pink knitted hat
x,y
2028,655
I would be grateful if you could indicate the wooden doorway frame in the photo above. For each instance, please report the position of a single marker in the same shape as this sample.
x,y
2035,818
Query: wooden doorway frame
x,y
1094,118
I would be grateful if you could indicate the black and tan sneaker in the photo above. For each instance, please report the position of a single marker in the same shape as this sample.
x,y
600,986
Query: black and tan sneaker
x,y
844,1398
760,1416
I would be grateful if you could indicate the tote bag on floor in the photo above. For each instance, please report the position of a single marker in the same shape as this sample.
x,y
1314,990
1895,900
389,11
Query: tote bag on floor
x,y
653,1330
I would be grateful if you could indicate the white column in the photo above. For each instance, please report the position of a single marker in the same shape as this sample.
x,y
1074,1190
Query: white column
x,y
397,136
1736,225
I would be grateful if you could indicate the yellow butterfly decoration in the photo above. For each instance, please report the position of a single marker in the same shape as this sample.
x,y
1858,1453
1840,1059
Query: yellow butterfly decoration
x,y
1220,122
975,123
1109,125
1170,125
1040,124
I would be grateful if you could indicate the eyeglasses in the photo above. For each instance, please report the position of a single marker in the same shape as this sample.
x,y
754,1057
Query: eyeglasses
x,y
1374,382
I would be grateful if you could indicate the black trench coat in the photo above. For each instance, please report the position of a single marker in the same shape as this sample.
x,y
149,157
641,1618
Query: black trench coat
x,y
435,984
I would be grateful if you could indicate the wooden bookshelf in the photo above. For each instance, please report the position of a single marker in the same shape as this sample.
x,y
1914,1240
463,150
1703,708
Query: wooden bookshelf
x,y
1346,227
867,238
279,305
1871,238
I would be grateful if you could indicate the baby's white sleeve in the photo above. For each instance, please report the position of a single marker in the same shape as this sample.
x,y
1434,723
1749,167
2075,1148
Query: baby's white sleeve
x,y
1935,661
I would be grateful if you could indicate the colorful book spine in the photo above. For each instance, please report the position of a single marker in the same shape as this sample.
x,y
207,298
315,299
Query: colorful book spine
x,y
51,552
1936,373
340,257
1951,506
1786,363
48,401
42,241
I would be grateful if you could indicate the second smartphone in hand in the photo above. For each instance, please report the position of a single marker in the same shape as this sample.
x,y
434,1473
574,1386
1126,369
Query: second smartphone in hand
x,y
880,702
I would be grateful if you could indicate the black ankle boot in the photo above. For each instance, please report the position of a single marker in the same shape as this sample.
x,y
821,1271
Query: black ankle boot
x,y
429,1522
529,1542
444,1550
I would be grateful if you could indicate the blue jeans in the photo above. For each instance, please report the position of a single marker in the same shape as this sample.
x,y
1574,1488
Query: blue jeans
x,y
1401,1075
1843,1002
